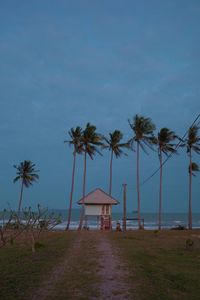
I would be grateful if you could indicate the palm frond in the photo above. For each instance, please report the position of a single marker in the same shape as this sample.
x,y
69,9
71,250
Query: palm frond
x,y
143,131
148,143
193,168
165,138
142,146
91,140
16,179
196,148
104,146
131,143
76,139
26,171
113,143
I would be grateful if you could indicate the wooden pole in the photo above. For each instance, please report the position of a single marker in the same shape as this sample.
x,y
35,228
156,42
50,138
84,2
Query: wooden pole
x,y
124,213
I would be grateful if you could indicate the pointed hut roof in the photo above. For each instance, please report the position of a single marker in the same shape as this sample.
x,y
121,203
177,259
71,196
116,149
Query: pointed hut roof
x,y
98,196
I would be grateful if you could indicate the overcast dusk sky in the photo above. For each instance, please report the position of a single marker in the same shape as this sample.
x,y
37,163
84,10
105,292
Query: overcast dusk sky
x,y
65,63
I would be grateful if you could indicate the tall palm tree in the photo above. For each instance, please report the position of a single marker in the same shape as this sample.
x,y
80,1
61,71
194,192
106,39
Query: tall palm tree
x,y
164,141
75,135
27,174
192,143
90,140
113,144
143,136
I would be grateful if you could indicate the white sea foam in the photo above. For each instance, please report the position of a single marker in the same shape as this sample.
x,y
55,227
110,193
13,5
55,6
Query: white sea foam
x,y
150,222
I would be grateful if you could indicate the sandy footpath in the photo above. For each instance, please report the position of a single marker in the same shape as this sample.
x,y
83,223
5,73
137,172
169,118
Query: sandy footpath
x,y
112,272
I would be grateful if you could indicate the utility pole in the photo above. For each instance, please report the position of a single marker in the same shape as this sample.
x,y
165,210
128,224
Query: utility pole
x,y
124,210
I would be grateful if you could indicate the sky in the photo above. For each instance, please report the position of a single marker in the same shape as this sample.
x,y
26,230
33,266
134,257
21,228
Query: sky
x,y
65,63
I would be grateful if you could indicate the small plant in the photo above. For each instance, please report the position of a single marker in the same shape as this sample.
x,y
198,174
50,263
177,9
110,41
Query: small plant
x,y
156,231
179,227
38,245
38,222
189,243
30,224
11,240
10,228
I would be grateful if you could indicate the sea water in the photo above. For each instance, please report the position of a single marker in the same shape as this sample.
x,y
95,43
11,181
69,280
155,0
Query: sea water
x,y
169,220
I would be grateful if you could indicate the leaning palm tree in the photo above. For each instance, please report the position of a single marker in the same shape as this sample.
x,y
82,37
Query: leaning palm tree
x,y
165,146
143,136
192,143
113,144
75,141
27,174
90,140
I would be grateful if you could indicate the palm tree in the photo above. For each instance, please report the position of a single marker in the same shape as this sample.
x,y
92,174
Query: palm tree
x,y
143,136
114,145
164,141
194,168
192,143
75,135
90,141
27,174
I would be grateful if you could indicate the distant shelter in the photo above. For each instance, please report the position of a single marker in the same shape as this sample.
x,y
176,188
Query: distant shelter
x,y
99,204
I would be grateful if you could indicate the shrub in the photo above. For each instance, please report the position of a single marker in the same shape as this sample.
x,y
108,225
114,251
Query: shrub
x,y
189,243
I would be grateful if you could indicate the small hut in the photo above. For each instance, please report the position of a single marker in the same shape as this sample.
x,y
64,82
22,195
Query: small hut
x,y
99,204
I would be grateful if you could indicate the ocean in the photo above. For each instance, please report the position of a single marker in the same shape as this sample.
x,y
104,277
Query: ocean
x,y
169,220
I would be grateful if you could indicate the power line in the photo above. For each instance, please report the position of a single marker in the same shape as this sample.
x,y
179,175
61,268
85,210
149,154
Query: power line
x,y
198,123
169,156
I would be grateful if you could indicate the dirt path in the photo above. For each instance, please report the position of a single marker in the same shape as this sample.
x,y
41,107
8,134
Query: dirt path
x,y
103,263
113,272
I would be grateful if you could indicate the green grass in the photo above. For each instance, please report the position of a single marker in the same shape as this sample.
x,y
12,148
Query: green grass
x,y
161,268
160,265
21,272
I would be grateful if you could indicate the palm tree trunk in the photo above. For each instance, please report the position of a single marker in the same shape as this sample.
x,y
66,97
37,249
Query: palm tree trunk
x,y
190,193
20,198
84,187
72,191
160,194
110,185
138,183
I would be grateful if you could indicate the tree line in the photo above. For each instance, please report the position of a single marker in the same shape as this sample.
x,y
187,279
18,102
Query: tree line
x,y
88,142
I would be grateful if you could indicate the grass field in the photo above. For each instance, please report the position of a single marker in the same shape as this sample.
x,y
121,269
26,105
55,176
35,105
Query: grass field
x,y
160,265
21,272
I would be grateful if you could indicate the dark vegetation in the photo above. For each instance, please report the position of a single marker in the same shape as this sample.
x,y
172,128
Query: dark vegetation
x,y
21,272
69,254
162,264
27,225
